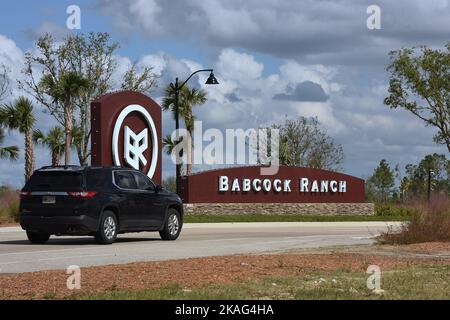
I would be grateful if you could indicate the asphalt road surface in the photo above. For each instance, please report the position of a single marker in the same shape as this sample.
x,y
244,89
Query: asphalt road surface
x,y
196,240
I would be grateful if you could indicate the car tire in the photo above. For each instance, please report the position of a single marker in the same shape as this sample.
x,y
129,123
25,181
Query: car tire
x,y
172,225
37,237
108,228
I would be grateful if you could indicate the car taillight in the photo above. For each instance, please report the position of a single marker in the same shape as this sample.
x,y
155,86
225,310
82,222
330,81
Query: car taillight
x,y
24,194
83,194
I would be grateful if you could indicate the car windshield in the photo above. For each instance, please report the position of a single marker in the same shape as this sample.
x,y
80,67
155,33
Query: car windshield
x,y
55,180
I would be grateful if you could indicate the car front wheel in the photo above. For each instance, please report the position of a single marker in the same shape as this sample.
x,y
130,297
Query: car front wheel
x,y
172,226
108,229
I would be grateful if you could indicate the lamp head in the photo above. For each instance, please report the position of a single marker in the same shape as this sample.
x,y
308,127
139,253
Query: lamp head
x,y
212,79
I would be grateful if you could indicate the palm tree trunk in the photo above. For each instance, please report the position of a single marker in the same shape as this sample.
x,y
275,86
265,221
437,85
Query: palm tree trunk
x,y
68,124
86,135
86,152
189,155
80,156
55,158
29,155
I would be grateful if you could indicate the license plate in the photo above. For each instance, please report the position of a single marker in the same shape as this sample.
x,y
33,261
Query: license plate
x,y
48,199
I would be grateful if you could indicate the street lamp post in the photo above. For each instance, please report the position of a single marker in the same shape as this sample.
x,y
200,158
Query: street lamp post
x,y
177,87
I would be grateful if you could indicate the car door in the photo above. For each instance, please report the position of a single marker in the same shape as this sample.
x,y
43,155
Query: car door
x,y
127,190
150,202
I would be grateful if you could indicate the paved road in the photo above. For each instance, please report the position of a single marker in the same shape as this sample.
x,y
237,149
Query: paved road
x,y
196,240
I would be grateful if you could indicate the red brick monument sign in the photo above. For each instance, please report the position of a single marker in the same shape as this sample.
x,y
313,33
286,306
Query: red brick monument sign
x,y
289,185
293,190
126,132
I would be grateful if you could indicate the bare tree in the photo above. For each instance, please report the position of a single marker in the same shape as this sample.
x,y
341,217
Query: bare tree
x,y
304,143
91,57
4,82
142,82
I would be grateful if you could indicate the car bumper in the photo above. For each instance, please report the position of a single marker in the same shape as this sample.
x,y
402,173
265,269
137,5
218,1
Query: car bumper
x,y
64,225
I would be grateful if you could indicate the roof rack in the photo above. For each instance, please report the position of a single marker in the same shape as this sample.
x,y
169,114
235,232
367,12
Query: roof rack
x,y
102,167
61,167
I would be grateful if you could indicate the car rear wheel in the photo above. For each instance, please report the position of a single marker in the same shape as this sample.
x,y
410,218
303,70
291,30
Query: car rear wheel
x,y
108,229
37,237
172,226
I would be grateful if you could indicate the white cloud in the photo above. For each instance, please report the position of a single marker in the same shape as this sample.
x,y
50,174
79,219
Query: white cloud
x,y
11,173
308,31
323,112
293,72
123,65
12,57
227,21
156,61
233,65
147,12
354,114
56,30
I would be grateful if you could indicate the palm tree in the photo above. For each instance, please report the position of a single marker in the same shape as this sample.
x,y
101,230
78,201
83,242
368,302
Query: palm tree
x,y
19,116
65,90
54,140
11,152
169,146
188,98
78,141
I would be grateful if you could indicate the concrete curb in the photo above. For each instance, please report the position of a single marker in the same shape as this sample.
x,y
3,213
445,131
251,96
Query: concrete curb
x,y
10,229
291,224
263,225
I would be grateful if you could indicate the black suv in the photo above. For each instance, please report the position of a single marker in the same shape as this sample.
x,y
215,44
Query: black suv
x,y
97,201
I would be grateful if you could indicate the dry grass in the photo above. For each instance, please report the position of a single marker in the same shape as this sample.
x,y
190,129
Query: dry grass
x,y
197,272
427,223
415,282
9,207
222,277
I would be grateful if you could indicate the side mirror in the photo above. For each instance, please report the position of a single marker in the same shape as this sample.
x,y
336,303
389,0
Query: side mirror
x,y
158,188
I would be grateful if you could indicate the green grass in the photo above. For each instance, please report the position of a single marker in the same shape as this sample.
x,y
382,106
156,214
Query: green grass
x,y
286,218
421,282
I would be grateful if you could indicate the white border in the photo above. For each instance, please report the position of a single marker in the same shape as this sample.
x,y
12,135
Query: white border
x,y
115,140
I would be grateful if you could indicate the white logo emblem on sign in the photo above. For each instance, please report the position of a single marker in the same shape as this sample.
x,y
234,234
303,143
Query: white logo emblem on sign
x,y
135,144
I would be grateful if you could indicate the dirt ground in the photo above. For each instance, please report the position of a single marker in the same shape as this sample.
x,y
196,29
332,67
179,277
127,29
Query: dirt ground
x,y
8,224
191,273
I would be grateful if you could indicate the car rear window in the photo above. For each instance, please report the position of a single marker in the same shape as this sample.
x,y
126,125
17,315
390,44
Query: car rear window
x,y
55,180
97,178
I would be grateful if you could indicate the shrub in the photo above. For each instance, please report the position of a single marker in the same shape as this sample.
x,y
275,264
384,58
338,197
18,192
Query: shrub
x,y
170,184
9,206
393,210
427,223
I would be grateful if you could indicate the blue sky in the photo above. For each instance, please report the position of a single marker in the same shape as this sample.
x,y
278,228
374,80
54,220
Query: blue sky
x,y
260,50
37,13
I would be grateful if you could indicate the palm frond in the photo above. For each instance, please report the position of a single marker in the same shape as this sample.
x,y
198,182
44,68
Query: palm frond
x,y
38,136
19,115
11,152
169,144
54,140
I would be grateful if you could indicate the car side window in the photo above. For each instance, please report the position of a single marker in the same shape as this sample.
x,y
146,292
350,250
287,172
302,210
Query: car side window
x,y
143,182
97,179
125,180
